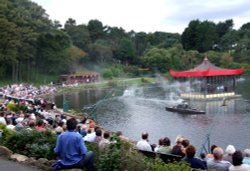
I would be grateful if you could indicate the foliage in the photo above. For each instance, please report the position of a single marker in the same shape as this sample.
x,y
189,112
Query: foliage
x,y
5,132
32,143
159,165
120,156
110,160
13,107
113,72
157,60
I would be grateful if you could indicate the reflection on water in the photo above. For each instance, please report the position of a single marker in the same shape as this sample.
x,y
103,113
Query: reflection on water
x,y
139,109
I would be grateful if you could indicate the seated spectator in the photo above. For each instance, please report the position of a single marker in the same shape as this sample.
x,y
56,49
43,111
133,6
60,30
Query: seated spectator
x,y
166,147
160,143
98,137
59,128
143,143
229,153
9,124
105,141
121,136
20,118
210,155
40,125
2,119
71,150
178,148
81,128
91,123
217,163
19,126
90,136
185,142
31,125
190,158
237,158
246,159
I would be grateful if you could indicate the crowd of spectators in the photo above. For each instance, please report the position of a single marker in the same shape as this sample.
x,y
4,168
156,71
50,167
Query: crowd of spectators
x,y
230,160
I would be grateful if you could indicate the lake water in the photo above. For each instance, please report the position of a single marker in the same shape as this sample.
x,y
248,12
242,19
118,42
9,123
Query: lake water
x,y
142,108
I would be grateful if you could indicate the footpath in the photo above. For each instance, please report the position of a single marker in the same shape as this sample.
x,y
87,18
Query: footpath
x,y
9,165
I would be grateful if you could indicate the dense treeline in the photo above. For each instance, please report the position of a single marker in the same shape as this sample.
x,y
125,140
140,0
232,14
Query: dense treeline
x,y
31,44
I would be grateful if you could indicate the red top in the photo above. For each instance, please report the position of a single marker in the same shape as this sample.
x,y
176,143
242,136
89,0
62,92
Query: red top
x,y
206,69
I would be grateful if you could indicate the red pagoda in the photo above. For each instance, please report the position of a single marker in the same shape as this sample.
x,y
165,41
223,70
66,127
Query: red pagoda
x,y
208,81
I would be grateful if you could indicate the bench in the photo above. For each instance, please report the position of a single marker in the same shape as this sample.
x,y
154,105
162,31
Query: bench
x,y
167,158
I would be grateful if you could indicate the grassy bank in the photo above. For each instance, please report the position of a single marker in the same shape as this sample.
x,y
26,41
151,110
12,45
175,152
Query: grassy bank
x,y
119,82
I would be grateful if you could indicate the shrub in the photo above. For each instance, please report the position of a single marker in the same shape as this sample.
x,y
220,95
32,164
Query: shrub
x,y
32,143
5,132
12,107
159,165
107,74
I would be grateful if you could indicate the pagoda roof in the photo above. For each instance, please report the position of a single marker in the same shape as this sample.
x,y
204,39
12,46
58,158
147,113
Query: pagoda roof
x,y
206,69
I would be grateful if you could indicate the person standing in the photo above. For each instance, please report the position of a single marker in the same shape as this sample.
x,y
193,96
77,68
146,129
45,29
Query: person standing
x,y
71,150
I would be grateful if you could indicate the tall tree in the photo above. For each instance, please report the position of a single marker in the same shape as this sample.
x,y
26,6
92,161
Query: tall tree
x,y
79,35
96,30
126,51
199,36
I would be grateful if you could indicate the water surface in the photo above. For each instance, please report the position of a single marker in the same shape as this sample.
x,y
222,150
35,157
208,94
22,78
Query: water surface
x,y
137,109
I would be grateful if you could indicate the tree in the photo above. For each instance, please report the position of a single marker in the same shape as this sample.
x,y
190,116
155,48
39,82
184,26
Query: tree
x,y
52,56
157,60
79,35
226,60
140,42
76,55
126,51
100,53
199,36
224,27
96,30
9,45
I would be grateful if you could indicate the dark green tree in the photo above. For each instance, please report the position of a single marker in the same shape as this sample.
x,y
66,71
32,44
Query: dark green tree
x,y
199,36
96,30
126,51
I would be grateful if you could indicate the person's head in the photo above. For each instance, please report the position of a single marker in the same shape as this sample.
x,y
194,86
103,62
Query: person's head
x,y
144,136
160,142
166,141
218,153
40,123
96,128
247,152
106,135
89,131
179,140
119,133
230,149
203,155
98,132
32,123
185,143
71,124
237,158
190,151
213,147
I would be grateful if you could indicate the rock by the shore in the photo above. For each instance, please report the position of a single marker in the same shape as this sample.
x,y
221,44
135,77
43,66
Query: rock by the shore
x,y
18,157
5,152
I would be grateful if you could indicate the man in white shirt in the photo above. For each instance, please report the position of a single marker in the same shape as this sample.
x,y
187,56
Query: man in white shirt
x,y
2,119
143,143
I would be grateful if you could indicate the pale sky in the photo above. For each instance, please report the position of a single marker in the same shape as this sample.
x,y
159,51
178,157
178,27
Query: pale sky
x,y
148,15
